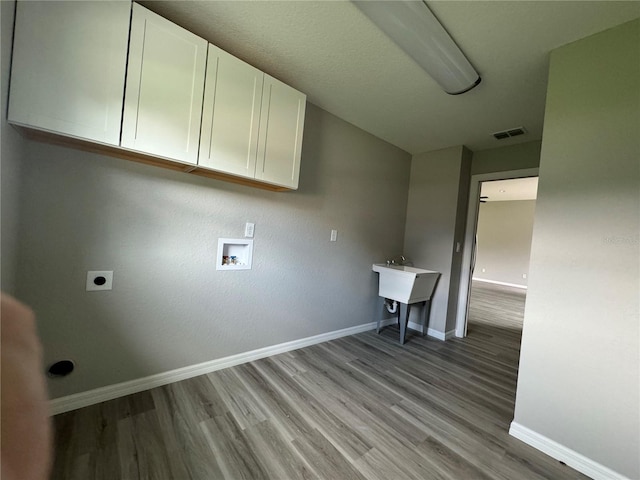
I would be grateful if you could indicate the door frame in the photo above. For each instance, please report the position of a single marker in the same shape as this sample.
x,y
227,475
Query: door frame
x,y
469,238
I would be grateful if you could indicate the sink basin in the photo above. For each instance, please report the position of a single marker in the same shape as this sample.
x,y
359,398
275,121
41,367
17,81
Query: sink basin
x,y
405,284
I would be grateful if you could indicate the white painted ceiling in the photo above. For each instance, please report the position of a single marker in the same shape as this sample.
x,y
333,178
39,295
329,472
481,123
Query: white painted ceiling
x,y
507,190
333,53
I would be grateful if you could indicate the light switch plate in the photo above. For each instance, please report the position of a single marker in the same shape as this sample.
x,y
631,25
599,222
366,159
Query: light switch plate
x,y
249,228
334,235
99,280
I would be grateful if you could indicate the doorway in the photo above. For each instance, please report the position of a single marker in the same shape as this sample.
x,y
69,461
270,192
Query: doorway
x,y
503,274
501,262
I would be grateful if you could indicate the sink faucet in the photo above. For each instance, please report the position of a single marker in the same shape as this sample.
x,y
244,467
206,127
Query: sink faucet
x,y
401,260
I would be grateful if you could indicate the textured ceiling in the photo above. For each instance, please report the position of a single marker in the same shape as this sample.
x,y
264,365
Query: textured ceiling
x,y
333,53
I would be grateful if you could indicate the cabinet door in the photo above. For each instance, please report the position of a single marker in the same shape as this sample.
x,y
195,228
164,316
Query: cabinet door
x,y
165,83
68,70
280,140
231,115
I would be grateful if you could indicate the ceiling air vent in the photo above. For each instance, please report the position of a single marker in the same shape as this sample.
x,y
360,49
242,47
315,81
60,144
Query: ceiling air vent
x,y
512,132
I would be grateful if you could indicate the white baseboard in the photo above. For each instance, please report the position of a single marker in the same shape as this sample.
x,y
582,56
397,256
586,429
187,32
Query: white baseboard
x,y
417,326
444,336
561,453
102,394
431,332
495,282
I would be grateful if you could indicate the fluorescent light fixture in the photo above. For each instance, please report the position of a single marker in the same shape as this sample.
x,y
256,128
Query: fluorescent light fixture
x,y
412,26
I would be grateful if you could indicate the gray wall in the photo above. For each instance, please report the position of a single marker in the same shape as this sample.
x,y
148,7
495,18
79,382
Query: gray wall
x,y
158,231
438,194
579,375
502,159
11,155
504,241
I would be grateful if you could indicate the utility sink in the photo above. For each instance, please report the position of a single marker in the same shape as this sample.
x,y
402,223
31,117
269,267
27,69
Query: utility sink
x,y
405,284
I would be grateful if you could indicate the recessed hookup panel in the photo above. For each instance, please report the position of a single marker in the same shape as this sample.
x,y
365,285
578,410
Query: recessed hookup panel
x,y
234,254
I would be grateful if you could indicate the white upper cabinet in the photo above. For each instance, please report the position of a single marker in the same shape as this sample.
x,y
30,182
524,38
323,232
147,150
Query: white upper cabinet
x,y
252,124
68,68
280,138
165,83
117,74
231,115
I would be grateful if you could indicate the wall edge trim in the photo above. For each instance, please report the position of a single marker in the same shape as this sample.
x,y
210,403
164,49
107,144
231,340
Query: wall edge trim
x,y
564,454
110,392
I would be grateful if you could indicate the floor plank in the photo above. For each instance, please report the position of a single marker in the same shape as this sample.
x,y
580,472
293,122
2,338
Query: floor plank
x,y
361,407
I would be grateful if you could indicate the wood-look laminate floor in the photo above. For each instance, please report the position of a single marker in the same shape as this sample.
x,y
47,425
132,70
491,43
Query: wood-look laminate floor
x,y
497,306
360,407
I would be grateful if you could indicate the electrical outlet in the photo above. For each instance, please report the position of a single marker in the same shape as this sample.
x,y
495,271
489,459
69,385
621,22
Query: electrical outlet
x,y
524,275
484,270
99,280
249,229
334,235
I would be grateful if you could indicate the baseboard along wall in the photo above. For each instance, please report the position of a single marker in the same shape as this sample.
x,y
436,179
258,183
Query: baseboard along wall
x,y
437,334
564,454
102,394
